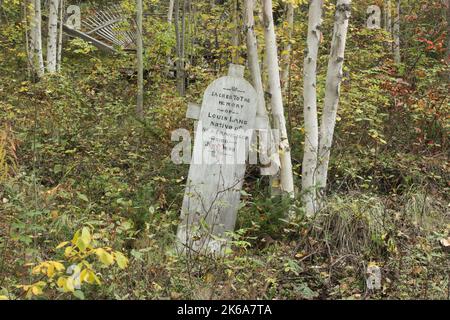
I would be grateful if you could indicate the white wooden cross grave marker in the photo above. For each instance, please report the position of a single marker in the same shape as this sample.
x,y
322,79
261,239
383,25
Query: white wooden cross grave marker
x,y
223,134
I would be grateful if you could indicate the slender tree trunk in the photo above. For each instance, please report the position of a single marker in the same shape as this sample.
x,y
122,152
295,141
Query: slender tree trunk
x,y
182,79
388,16
286,57
177,38
38,56
140,62
310,107
170,21
30,34
52,44
60,35
287,179
266,141
180,37
447,58
332,90
397,56
235,36
170,13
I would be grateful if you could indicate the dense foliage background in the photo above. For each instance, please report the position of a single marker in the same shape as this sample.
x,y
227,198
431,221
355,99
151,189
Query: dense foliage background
x,y
74,156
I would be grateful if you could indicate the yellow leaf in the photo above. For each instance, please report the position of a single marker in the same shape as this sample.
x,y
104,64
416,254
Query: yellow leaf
x,y
4,298
36,269
68,251
58,265
84,275
84,240
209,278
121,260
96,279
62,244
50,271
61,282
36,290
68,286
105,258
75,237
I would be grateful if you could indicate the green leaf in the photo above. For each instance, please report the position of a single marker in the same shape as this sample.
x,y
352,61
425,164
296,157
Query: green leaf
x,y
121,260
79,294
82,197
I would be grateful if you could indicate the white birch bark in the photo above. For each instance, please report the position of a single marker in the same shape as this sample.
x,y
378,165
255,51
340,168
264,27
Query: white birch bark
x,y
332,89
286,57
38,56
31,34
140,62
287,179
52,37
170,13
397,56
267,147
310,107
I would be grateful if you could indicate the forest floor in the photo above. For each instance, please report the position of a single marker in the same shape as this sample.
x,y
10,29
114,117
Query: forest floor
x,y
76,157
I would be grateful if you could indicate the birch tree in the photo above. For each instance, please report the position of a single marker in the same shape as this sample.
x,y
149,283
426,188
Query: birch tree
x,y
311,144
266,141
388,16
286,57
38,55
52,38
34,37
140,62
30,33
397,56
170,12
332,89
286,175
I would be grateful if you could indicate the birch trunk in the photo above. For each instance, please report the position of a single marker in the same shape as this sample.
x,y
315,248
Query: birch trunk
x,y
38,56
52,38
266,141
170,13
388,16
60,36
287,179
310,107
397,56
332,90
177,38
140,62
288,47
31,34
